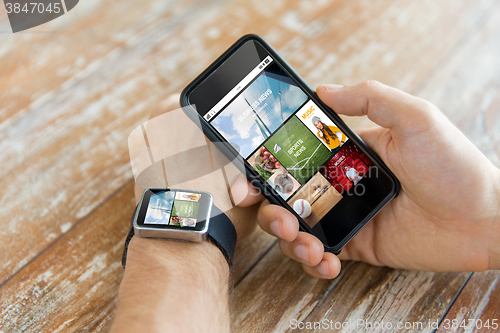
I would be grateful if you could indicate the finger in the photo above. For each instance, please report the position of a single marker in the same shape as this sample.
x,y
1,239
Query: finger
x,y
370,135
278,221
244,193
386,106
376,138
328,268
306,249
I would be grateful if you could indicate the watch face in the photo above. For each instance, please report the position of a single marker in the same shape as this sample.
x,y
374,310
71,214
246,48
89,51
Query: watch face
x,y
174,209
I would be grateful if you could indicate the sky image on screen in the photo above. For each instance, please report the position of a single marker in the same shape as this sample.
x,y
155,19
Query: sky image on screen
x,y
247,123
160,208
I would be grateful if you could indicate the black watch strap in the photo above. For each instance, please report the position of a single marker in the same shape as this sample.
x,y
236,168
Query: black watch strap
x,y
129,237
221,232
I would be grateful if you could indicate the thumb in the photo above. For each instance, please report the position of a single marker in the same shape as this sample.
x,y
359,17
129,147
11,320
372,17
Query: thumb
x,y
386,106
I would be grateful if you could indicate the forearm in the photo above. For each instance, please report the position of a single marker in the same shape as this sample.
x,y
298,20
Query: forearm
x,y
173,286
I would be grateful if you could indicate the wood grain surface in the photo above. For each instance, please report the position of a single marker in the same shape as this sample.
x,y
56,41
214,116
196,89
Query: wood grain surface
x,y
72,90
477,305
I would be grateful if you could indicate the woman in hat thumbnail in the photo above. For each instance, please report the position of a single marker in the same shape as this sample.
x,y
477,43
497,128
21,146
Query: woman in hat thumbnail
x,y
332,136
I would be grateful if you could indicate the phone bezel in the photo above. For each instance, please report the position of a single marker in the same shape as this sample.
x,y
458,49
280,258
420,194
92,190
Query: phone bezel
x,y
267,190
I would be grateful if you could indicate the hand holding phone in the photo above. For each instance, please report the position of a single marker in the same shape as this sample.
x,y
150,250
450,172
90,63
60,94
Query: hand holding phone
x,y
433,224
258,109
263,116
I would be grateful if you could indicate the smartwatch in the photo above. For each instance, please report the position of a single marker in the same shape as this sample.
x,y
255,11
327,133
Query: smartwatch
x,y
183,215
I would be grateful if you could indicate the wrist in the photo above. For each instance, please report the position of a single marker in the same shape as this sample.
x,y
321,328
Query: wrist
x,y
169,274
160,256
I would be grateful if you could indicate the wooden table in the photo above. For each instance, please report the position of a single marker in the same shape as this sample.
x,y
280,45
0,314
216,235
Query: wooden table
x,y
72,90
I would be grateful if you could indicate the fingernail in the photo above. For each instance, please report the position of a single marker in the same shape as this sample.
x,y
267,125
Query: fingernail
x,y
302,252
276,228
323,268
330,87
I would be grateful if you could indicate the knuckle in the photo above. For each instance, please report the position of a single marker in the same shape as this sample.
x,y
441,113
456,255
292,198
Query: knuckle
x,y
426,113
371,85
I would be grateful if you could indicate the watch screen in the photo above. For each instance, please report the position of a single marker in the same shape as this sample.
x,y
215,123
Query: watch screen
x,y
173,208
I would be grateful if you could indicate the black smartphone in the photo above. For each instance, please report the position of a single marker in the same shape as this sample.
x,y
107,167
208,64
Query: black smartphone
x,y
299,152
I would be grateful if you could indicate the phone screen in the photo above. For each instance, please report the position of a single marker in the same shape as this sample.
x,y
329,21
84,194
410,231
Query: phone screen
x,y
294,146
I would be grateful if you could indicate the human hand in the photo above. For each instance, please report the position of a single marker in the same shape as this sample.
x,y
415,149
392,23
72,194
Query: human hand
x,y
446,215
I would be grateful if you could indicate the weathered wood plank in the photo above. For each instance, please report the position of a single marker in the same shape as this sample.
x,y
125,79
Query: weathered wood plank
x,y
73,285
249,252
278,286
478,303
398,43
407,301
466,86
73,47
491,311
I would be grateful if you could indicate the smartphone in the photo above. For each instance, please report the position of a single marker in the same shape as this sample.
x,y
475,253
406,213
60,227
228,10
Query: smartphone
x,y
299,152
